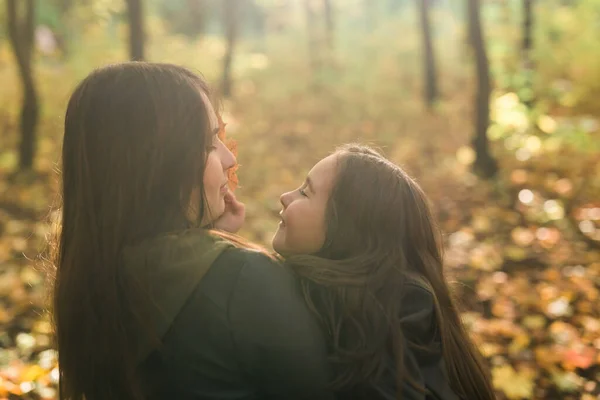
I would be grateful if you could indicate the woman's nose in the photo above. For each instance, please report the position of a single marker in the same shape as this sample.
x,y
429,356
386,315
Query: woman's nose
x,y
228,160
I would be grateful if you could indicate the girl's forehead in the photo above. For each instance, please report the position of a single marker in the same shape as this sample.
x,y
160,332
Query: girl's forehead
x,y
323,173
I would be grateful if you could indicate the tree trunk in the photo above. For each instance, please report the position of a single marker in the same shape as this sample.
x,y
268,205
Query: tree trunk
x,y
329,24
429,65
66,5
527,47
260,24
313,41
21,34
527,26
395,5
197,14
64,31
135,12
485,164
231,15
370,14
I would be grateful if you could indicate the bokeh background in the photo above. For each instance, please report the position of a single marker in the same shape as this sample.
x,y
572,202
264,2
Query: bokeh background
x,y
492,105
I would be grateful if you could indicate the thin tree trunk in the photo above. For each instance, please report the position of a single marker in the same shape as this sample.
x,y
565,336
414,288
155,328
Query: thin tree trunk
x,y
197,13
394,5
231,16
527,25
370,14
135,12
63,32
313,42
21,34
66,5
429,65
329,24
484,164
527,46
260,23
509,63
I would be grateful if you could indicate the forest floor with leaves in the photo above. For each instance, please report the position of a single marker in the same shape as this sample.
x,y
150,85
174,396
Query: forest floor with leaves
x,y
522,251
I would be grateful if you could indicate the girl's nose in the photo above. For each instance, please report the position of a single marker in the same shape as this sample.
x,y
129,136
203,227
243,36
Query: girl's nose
x,y
285,199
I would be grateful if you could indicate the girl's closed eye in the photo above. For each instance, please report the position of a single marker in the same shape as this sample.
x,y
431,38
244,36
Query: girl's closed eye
x,y
302,191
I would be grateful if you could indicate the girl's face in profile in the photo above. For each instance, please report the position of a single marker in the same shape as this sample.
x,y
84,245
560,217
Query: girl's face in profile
x,y
302,228
218,160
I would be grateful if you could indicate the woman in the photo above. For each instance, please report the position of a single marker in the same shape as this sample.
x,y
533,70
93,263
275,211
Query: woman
x,y
147,302
361,236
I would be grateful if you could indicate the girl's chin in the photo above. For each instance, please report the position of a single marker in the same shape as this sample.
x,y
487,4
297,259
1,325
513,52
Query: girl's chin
x,y
277,241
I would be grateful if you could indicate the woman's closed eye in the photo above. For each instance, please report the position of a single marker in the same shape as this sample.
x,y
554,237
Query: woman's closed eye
x,y
214,142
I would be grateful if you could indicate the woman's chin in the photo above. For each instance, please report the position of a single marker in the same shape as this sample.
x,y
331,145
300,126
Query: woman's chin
x,y
213,215
219,209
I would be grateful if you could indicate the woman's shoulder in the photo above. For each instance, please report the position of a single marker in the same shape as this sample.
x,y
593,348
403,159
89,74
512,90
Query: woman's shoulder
x,y
257,297
244,257
244,254
247,314
251,270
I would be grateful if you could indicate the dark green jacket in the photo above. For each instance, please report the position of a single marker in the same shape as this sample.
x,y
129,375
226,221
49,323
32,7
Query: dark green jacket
x,y
424,362
232,324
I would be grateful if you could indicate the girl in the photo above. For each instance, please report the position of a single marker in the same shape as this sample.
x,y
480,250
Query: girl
x,y
148,303
361,236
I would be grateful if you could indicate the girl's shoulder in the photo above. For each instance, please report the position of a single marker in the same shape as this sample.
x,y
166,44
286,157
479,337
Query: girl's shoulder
x,y
418,314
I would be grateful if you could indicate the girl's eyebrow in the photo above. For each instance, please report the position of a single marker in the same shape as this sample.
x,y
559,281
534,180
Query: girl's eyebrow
x,y
310,185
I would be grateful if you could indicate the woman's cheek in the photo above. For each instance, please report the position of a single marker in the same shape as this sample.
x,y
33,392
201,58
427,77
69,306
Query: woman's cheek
x,y
211,173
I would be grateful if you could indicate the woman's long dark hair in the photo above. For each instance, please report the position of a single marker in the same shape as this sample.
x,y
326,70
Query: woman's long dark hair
x,y
135,144
381,233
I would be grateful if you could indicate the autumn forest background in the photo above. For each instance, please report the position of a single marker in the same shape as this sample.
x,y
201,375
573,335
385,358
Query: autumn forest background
x,y
492,105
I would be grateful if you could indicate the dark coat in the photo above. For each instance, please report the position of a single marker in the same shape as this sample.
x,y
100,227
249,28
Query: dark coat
x,y
423,356
231,322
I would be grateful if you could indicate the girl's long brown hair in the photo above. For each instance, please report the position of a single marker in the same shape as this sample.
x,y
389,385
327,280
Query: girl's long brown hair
x,y
380,234
134,148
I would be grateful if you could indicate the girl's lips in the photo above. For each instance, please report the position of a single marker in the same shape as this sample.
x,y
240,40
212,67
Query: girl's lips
x,y
281,222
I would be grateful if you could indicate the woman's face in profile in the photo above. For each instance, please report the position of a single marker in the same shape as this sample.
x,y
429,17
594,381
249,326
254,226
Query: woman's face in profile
x,y
303,226
218,160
